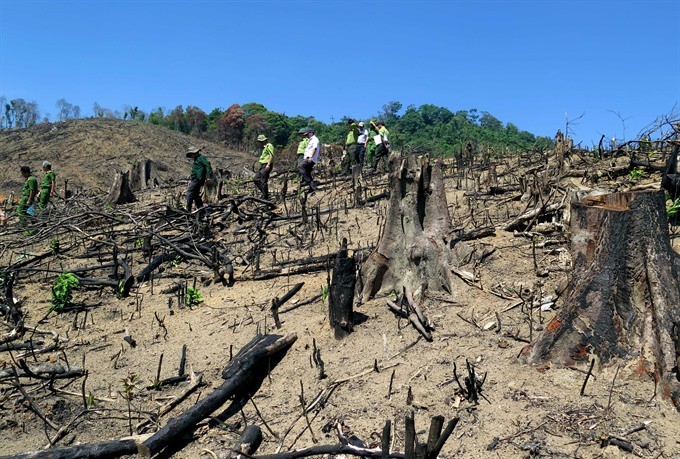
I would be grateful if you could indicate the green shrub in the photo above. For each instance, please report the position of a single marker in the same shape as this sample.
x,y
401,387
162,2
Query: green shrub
x,y
61,291
193,297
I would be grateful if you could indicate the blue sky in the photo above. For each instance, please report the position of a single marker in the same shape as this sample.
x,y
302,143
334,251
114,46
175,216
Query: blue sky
x,y
532,63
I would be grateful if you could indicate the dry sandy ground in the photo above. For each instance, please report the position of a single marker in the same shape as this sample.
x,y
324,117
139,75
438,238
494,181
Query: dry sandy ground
x,y
525,411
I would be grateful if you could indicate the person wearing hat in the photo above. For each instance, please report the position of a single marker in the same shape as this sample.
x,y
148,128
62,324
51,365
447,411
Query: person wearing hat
x,y
302,146
47,185
201,172
351,147
361,144
311,156
28,194
266,161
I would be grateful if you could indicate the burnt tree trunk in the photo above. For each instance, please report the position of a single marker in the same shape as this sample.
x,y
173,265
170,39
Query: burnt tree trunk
x,y
415,248
341,293
624,296
120,192
671,174
144,175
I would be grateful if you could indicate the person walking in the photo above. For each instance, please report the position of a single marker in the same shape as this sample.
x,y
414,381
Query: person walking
x,y
266,162
351,146
361,144
201,172
382,144
310,158
302,146
29,192
47,185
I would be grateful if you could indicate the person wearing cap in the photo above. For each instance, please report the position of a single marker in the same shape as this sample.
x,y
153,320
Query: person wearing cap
x,y
351,147
361,144
29,192
266,162
311,156
201,172
381,142
47,185
302,146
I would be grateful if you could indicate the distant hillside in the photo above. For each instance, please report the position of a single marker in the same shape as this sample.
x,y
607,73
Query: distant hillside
x,y
88,152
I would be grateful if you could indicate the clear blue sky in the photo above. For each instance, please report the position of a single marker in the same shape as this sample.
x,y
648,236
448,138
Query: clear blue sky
x,y
532,63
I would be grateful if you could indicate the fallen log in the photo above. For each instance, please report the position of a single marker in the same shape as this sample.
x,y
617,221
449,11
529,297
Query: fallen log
x,y
247,444
253,362
258,357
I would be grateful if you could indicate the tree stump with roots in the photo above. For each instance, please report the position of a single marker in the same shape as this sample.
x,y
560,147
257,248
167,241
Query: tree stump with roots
x,y
415,249
624,297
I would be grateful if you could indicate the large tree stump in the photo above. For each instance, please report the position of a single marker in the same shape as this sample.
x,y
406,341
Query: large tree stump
x,y
624,297
415,246
144,175
120,191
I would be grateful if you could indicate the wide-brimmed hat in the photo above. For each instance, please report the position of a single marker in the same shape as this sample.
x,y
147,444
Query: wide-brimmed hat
x,y
192,150
261,138
361,124
303,130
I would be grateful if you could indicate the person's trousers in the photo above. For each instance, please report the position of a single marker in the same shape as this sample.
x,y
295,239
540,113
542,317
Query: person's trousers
x,y
351,159
44,198
361,153
261,180
194,194
381,152
305,170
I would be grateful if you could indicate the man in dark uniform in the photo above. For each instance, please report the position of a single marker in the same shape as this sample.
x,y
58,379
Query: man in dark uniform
x,y
201,172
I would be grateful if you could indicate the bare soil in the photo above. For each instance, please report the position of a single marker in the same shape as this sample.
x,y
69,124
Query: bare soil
x,y
383,370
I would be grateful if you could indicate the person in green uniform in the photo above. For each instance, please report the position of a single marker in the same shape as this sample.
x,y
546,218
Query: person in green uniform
x,y
302,146
351,146
47,186
28,194
201,172
266,162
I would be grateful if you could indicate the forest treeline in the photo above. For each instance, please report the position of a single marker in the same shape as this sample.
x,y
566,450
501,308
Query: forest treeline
x,y
427,128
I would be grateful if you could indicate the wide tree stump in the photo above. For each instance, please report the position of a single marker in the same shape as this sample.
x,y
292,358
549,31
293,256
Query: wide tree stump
x,y
623,300
120,191
415,247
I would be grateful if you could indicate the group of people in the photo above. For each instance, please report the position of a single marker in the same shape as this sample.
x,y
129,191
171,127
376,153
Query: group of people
x,y
32,194
307,156
358,141
356,145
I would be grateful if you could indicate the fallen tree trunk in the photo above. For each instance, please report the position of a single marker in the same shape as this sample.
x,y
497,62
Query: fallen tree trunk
x,y
243,376
259,356
623,299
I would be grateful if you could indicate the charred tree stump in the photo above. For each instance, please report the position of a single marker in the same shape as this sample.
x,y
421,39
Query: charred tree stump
x,y
120,192
341,293
144,175
415,246
622,301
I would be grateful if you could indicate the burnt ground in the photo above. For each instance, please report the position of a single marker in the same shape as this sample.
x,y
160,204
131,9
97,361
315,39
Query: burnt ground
x,y
383,370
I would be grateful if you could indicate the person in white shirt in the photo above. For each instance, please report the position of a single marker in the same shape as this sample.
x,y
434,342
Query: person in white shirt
x,y
310,158
361,144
